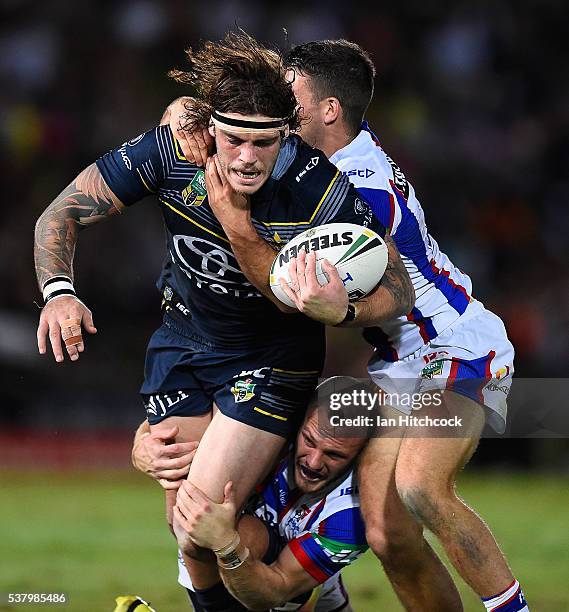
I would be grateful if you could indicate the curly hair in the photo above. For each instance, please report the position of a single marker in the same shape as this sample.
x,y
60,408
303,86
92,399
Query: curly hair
x,y
236,75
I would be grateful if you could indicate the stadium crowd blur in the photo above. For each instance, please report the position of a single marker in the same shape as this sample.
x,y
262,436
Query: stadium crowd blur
x,y
472,100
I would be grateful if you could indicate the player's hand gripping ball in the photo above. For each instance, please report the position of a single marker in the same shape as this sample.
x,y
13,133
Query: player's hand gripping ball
x,y
359,254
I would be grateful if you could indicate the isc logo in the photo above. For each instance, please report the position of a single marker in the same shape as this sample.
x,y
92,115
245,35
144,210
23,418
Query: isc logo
x,y
361,173
349,491
311,164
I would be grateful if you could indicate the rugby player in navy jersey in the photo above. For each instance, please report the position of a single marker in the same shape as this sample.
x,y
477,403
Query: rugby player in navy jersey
x,y
448,340
225,338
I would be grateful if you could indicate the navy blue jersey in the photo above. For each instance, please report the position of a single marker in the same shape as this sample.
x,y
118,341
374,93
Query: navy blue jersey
x,y
225,311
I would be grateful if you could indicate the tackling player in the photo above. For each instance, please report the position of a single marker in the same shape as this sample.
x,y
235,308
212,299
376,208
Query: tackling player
x,y
222,340
301,528
447,340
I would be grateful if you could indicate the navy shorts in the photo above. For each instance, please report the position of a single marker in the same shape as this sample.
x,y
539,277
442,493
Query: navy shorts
x,y
268,387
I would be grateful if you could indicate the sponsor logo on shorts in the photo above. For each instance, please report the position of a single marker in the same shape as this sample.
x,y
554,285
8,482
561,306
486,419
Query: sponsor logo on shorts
x,y
435,368
502,372
159,403
492,386
195,193
243,390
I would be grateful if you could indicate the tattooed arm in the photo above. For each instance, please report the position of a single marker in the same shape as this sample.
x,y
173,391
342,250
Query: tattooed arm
x,y
85,201
393,297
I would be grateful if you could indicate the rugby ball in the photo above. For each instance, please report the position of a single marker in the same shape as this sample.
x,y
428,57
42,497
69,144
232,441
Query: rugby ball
x,y
358,253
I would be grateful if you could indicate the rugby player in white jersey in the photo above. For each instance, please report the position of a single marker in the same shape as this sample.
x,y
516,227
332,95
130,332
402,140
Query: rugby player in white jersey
x,y
448,340
300,529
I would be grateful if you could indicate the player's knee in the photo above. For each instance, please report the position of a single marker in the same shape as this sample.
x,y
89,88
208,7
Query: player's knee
x,y
392,540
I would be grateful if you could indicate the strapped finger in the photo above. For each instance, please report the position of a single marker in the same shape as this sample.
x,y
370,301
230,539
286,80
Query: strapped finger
x,y
71,334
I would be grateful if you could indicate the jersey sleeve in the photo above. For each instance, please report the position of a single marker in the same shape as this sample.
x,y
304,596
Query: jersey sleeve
x,y
337,541
328,193
136,168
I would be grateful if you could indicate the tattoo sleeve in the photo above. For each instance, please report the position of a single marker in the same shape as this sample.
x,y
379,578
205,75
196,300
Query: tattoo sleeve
x,y
393,297
396,279
85,201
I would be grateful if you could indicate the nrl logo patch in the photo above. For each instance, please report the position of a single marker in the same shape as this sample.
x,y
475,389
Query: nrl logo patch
x,y
243,390
435,368
195,193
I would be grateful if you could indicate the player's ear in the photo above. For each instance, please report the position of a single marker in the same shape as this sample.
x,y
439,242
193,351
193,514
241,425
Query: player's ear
x,y
211,130
332,110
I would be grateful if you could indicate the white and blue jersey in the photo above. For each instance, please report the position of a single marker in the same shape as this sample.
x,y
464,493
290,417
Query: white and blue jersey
x,y
324,530
449,339
443,293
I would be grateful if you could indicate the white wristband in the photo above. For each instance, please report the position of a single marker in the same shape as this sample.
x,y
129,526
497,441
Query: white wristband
x,y
56,286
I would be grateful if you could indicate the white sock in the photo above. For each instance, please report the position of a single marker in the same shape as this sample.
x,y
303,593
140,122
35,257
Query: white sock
x,y
510,600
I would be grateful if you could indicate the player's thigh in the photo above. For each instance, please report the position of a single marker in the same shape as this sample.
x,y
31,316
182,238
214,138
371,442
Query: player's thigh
x,y
233,451
190,428
431,457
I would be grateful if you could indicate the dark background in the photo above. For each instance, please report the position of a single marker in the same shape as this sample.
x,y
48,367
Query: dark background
x,y
472,101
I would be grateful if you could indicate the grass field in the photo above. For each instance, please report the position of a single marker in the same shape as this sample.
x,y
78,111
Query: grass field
x,y
98,535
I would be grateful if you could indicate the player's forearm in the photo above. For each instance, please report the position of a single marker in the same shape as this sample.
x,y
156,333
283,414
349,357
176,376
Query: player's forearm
x,y
257,586
85,201
255,258
393,297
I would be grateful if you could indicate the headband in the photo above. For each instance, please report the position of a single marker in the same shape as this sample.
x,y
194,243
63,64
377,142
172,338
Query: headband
x,y
231,124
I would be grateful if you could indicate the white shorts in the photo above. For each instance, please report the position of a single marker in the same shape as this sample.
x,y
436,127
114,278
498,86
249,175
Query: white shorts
x,y
472,357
